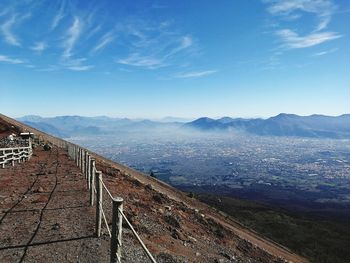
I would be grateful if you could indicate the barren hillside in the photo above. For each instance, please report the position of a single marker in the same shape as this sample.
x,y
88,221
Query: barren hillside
x,y
45,216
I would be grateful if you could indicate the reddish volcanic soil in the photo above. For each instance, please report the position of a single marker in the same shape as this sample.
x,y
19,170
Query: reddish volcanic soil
x,y
45,216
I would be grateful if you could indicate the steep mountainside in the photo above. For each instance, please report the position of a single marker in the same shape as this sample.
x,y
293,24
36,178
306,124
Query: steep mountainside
x,y
175,227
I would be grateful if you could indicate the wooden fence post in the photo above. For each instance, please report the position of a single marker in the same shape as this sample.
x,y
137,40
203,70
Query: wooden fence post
x,y
92,184
87,168
81,160
117,222
78,156
75,154
88,172
98,180
84,163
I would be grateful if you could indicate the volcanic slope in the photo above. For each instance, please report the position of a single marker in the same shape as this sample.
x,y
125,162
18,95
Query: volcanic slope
x,y
45,217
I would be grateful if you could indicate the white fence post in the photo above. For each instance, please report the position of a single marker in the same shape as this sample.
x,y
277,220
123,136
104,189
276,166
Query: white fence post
x,y
92,184
88,172
117,222
98,202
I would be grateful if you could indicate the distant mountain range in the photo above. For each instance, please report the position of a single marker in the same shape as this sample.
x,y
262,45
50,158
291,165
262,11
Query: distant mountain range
x,y
316,126
281,125
67,126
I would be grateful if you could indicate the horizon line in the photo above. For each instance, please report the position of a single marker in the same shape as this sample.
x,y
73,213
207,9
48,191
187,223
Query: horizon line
x,y
180,117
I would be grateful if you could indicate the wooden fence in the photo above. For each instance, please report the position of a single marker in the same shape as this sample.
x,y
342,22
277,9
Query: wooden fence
x,y
83,159
11,155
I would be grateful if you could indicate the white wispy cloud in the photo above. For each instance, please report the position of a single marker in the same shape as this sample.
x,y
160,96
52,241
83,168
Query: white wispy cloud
x,y
153,46
322,53
296,9
323,9
195,74
78,64
184,43
80,68
4,12
138,60
39,47
292,40
6,29
58,17
105,40
9,60
155,52
72,36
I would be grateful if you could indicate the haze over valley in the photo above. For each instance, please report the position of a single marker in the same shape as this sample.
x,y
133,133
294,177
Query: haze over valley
x,y
299,163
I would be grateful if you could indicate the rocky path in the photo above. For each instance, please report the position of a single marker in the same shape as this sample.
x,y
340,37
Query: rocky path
x,y
44,212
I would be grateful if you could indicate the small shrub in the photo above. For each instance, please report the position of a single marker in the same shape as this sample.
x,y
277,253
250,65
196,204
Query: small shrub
x,y
152,174
47,147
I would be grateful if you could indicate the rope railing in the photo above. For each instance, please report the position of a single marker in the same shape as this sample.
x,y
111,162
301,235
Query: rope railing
x,y
137,236
83,159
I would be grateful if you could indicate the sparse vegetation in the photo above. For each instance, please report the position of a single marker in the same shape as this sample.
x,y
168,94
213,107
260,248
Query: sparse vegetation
x,y
318,240
192,195
152,174
47,147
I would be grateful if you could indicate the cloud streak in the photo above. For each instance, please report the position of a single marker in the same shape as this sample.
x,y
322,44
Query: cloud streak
x,y
195,74
291,10
76,64
154,46
105,40
293,40
323,9
9,60
58,17
39,47
67,30
6,30
72,36
138,60
322,53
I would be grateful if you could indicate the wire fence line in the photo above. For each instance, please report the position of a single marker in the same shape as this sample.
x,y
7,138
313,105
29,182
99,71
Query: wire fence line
x,y
83,159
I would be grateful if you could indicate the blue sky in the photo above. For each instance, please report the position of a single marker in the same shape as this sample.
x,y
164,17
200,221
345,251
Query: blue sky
x,y
189,58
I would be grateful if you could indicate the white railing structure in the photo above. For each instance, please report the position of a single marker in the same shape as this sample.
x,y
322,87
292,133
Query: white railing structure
x,y
83,159
13,154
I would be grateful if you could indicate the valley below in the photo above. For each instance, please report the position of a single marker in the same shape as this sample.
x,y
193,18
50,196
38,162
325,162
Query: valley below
x,y
265,182
294,173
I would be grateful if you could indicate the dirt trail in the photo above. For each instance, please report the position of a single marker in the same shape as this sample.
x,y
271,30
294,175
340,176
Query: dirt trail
x,y
44,207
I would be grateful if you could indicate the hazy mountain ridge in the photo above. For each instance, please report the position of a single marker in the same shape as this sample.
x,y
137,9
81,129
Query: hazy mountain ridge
x,y
314,126
319,126
67,126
